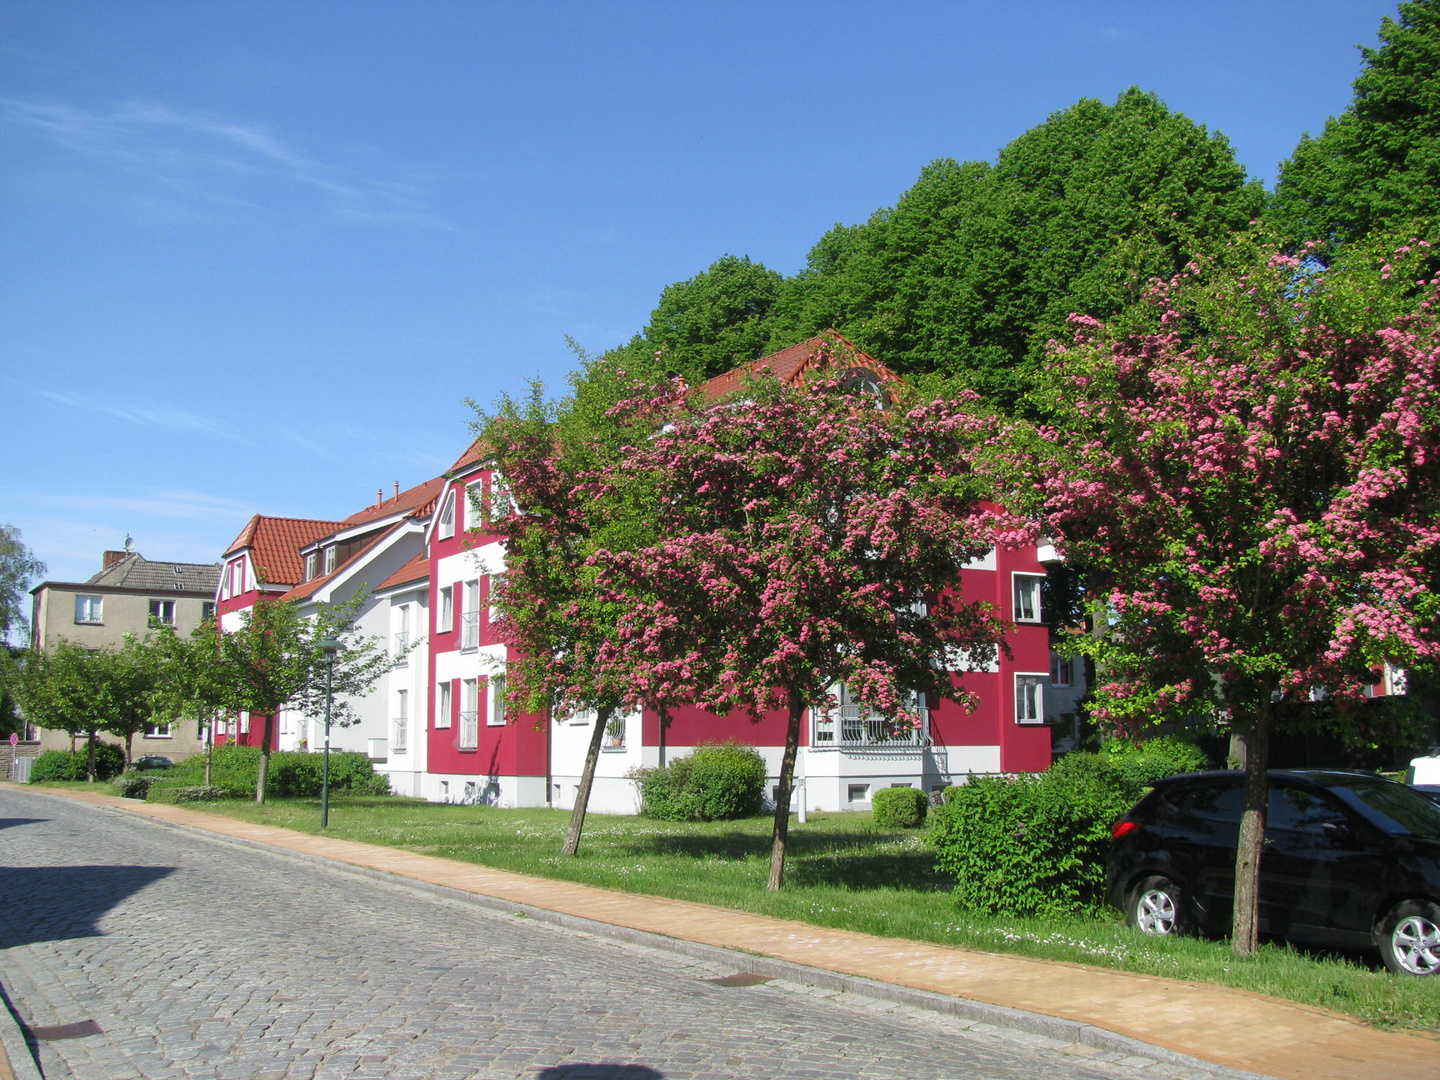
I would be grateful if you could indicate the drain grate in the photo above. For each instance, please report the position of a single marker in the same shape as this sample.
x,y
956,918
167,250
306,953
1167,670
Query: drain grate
x,y
77,1030
743,978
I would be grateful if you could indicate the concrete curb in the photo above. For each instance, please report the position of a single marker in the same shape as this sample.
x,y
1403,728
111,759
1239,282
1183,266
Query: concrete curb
x,y
965,1009
14,1046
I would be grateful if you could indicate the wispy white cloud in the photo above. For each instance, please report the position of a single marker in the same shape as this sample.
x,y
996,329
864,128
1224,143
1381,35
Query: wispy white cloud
x,y
175,505
145,415
214,159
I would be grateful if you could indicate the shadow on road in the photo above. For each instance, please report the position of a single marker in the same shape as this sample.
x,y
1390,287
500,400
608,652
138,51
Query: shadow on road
x,y
11,822
599,1071
57,903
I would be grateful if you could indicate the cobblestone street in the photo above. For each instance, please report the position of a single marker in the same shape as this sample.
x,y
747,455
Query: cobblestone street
x,y
198,958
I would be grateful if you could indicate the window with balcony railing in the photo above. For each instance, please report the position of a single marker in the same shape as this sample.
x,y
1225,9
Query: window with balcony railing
x,y
469,729
401,650
470,630
854,724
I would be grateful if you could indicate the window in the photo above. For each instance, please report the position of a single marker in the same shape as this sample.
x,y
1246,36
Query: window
x,y
237,577
858,793
470,714
90,609
401,652
494,612
312,563
330,553
163,611
1030,699
474,506
447,517
442,705
615,733
1027,597
470,616
497,701
207,609
1059,670
445,618
245,723
402,722
157,731
502,505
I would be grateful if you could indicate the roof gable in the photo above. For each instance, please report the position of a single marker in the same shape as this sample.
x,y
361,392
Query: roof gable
x,y
790,365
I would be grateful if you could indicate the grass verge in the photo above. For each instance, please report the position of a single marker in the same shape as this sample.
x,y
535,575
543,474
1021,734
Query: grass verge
x,y
844,873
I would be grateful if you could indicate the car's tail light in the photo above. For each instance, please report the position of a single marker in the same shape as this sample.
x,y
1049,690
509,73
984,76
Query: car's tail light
x,y
1124,828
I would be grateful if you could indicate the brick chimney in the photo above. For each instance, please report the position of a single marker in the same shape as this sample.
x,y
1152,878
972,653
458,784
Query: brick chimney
x,y
110,558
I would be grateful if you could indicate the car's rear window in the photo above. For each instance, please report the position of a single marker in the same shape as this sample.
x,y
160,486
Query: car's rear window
x,y
1394,807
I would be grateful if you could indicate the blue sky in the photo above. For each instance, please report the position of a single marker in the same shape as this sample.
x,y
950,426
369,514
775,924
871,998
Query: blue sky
x,y
256,255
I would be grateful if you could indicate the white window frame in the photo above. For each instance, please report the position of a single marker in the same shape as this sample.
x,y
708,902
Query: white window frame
x,y
401,652
312,564
614,737
158,610
446,527
1033,584
470,616
331,557
469,714
444,704
1062,671
89,610
495,717
502,503
157,731
400,743
474,505
1030,691
445,617
492,613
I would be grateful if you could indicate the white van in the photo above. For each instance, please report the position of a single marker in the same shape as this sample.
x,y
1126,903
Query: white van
x,y
1424,771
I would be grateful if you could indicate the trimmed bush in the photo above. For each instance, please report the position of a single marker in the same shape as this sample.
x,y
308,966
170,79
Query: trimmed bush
x,y
293,774
715,783
61,765
1036,844
131,785
198,793
898,808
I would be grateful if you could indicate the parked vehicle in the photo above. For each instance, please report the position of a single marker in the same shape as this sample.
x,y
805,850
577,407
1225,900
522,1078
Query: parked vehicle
x,y
1350,860
153,761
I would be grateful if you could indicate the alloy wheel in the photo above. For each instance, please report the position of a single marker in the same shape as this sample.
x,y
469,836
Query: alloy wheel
x,y
1415,943
1155,912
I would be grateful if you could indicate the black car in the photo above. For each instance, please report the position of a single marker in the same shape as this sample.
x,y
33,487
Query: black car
x,y
1350,860
153,761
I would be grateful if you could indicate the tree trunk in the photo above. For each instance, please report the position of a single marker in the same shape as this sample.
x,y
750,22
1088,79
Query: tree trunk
x,y
90,758
264,774
1255,744
781,831
587,778
209,748
129,749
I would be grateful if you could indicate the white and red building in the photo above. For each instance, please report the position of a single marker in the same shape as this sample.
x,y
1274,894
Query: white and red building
x,y
436,725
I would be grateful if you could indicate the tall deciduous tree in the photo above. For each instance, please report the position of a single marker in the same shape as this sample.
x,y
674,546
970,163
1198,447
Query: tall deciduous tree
x,y
804,539
1253,466
18,567
1377,165
273,661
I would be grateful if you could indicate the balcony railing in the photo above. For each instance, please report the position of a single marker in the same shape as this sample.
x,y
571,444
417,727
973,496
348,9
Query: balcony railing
x,y
400,653
398,744
469,729
850,726
470,630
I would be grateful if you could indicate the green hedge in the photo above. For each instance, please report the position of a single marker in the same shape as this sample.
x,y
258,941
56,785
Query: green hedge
x,y
1036,844
714,783
293,774
61,765
898,808
131,785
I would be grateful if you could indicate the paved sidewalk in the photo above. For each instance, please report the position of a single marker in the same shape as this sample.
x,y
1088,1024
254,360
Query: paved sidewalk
x,y
1232,1028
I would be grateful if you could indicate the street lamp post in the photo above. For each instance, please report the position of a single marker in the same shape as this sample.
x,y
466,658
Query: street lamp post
x,y
329,646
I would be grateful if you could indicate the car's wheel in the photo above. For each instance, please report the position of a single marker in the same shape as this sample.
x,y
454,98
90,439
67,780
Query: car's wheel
x,y
1410,938
1159,906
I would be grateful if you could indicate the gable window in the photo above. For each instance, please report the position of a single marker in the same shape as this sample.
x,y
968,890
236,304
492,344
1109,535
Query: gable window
x,y
445,617
1059,670
90,609
474,506
312,564
469,714
237,577
447,517
443,705
402,722
502,505
163,611
496,717
1030,699
1027,597
330,559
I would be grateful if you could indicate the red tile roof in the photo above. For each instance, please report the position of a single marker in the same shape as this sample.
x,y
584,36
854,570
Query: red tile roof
x,y
275,544
417,502
309,588
417,569
791,364
476,451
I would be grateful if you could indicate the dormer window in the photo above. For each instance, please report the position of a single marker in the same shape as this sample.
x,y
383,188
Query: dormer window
x,y
330,559
312,564
447,517
865,384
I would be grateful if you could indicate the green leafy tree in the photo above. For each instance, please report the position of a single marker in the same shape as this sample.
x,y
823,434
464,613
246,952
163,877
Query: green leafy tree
x,y
1377,165
273,661
18,567
976,267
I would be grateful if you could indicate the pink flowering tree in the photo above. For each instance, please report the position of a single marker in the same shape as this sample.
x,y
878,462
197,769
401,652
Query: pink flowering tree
x,y
1250,465
802,539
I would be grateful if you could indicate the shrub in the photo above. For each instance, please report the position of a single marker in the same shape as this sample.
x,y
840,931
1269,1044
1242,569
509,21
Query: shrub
x,y
898,808
198,793
60,765
131,785
293,774
1036,844
715,783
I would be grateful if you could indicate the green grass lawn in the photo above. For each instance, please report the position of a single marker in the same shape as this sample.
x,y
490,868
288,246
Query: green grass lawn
x,y
845,873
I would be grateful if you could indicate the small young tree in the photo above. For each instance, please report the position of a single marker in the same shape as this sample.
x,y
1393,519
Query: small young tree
x,y
1252,465
85,691
803,539
273,661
